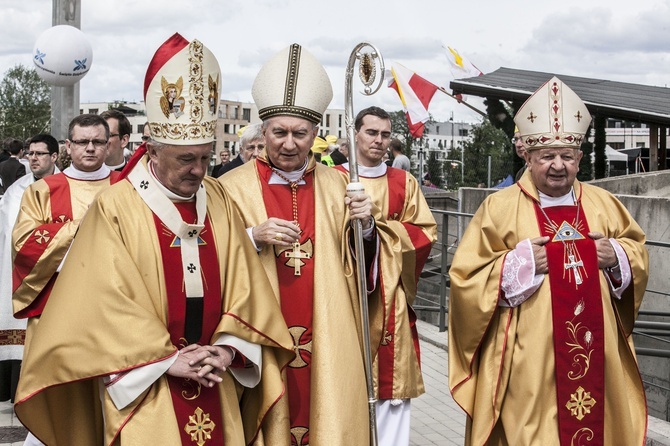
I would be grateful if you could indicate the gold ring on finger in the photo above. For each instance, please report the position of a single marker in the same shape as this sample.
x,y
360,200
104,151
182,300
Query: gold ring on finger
x,y
279,236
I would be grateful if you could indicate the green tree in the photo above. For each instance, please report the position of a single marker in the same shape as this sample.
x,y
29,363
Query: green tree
x,y
25,104
486,141
400,130
501,115
452,169
599,143
434,169
585,167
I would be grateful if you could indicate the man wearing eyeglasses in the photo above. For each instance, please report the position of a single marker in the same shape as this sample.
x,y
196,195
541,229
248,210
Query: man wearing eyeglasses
x,y
119,135
51,210
252,144
42,155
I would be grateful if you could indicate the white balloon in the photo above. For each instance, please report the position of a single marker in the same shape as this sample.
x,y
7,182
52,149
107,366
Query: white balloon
x,y
62,55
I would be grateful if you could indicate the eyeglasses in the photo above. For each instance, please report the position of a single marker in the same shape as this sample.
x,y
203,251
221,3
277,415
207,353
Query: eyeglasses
x,y
38,154
514,140
253,147
83,143
145,138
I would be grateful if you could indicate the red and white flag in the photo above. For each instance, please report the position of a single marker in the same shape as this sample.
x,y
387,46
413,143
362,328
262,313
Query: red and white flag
x,y
415,93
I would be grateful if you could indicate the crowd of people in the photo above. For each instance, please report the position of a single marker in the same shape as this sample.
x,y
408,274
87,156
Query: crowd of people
x,y
148,302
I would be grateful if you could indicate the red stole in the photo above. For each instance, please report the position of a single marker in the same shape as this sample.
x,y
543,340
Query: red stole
x,y
396,179
577,313
296,293
197,408
40,239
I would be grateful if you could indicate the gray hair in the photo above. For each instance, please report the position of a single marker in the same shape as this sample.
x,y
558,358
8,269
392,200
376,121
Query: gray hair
x,y
252,132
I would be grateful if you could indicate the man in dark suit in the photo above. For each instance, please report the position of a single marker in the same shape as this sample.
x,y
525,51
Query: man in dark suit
x,y
12,169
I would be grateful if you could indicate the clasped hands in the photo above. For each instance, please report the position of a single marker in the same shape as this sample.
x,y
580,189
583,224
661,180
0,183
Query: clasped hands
x,y
202,363
606,255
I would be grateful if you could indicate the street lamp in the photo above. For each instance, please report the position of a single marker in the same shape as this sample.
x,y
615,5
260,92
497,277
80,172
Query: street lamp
x,y
451,119
454,163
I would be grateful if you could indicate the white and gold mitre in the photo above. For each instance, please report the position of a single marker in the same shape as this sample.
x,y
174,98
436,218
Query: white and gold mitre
x,y
553,116
182,88
292,83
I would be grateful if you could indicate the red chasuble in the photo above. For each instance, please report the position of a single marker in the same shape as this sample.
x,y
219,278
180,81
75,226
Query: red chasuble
x,y
197,408
577,313
296,292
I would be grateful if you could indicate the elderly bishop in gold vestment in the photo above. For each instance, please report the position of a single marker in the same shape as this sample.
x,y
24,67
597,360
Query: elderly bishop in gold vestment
x,y
545,287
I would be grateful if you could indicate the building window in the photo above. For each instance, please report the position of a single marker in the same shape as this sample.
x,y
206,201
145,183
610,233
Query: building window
x,y
328,120
463,132
339,120
246,114
226,128
93,111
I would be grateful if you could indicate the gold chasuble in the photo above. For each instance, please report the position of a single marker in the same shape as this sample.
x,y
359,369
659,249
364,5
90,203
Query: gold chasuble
x,y
326,401
119,304
560,368
412,233
51,210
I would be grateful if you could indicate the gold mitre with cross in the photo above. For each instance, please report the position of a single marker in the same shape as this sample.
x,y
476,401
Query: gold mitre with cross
x,y
293,82
553,116
182,88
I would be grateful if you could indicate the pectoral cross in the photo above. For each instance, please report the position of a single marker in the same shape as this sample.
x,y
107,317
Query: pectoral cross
x,y
297,254
574,266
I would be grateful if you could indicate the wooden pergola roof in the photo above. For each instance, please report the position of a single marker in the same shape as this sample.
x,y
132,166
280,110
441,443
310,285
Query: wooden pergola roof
x,y
618,100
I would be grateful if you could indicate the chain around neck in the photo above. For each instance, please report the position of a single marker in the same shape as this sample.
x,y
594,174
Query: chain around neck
x,y
294,192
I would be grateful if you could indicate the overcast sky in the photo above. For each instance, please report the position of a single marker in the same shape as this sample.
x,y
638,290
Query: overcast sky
x,y
606,39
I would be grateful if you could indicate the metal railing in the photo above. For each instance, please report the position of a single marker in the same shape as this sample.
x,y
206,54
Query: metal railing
x,y
447,244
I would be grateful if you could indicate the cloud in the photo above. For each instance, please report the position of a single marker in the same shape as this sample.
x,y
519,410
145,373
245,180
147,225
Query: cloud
x,y
596,43
605,39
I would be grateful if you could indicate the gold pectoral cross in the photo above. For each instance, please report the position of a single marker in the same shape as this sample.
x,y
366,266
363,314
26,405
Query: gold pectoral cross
x,y
574,266
297,255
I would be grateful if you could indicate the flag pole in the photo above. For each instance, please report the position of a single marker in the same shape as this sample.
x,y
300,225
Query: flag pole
x,y
462,102
366,55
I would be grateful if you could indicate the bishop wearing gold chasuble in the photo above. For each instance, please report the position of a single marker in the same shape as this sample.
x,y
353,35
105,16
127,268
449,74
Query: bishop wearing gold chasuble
x,y
298,215
162,327
545,287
